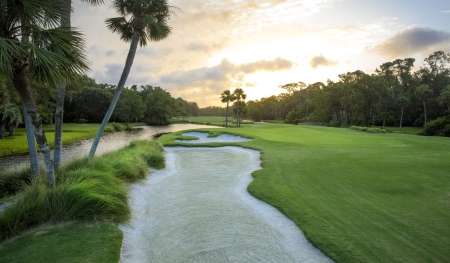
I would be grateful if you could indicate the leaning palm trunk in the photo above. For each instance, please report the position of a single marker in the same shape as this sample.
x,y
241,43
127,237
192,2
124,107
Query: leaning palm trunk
x,y
34,163
22,85
123,78
60,92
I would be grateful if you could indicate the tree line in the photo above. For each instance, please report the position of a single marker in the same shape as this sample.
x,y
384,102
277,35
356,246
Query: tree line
x,y
394,95
87,101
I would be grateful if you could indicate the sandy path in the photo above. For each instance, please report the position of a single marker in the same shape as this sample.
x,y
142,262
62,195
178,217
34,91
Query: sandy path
x,y
198,210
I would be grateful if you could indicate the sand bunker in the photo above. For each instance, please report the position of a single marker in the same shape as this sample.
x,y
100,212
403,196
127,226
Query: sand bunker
x,y
203,138
198,210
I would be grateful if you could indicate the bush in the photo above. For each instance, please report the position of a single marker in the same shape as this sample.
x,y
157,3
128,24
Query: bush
x,y
85,189
370,130
440,126
334,123
117,126
108,129
296,121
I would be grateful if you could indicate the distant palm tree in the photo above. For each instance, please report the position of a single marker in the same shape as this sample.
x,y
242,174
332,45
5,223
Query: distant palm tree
x,y
139,21
227,96
10,116
239,94
424,92
43,53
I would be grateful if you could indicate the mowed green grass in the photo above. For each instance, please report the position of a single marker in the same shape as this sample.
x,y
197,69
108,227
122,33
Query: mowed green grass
x,y
76,242
72,132
358,197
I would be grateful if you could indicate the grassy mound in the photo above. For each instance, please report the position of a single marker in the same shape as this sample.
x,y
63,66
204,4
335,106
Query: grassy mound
x,y
86,189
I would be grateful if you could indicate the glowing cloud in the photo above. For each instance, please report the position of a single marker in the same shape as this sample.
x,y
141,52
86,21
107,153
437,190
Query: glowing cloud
x,y
413,40
321,61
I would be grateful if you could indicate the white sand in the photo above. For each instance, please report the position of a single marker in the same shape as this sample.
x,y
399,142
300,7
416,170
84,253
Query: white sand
x,y
203,138
197,209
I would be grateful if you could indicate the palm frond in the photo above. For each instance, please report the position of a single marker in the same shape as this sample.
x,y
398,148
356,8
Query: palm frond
x,y
121,26
46,66
94,2
68,43
10,52
158,31
149,17
44,13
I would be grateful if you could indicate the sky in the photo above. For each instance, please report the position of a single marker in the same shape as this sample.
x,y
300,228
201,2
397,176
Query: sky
x,y
258,45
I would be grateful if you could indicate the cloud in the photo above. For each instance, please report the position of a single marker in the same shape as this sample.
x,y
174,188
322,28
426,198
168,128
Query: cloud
x,y
413,40
110,53
277,64
206,82
206,48
154,52
321,61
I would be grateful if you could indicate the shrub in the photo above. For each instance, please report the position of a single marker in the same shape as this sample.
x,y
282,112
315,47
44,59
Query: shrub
x,y
117,126
334,123
370,130
296,121
109,129
440,126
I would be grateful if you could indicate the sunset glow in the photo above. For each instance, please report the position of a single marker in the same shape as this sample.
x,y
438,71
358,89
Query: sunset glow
x,y
259,45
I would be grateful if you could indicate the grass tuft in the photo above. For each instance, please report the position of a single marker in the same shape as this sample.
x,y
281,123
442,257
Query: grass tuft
x,y
12,181
86,189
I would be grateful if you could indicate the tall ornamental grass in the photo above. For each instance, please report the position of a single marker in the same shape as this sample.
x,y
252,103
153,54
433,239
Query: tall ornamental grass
x,y
89,189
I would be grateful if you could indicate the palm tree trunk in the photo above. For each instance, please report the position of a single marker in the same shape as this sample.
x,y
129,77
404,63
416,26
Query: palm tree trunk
x,y
2,130
237,113
59,114
123,78
34,162
22,85
226,118
60,92
401,119
425,112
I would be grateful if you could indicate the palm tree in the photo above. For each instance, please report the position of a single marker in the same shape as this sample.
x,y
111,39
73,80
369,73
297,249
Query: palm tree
x,y
239,94
227,96
424,92
403,101
45,53
10,116
66,9
139,21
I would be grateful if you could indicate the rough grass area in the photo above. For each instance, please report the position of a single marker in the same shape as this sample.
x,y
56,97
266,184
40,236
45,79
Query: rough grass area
x,y
405,130
77,243
72,132
211,120
368,129
86,189
358,197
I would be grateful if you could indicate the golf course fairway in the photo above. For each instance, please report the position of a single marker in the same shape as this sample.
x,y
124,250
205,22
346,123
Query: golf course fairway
x,y
358,197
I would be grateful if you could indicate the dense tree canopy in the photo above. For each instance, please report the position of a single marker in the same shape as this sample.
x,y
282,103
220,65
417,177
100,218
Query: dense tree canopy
x,y
393,95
